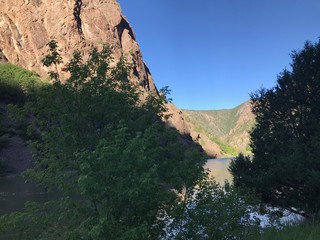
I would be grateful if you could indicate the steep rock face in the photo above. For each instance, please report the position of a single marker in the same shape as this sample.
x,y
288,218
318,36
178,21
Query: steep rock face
x,y
26,26
3,58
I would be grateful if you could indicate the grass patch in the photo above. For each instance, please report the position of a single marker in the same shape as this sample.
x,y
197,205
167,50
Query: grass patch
x,y
15,82
17,86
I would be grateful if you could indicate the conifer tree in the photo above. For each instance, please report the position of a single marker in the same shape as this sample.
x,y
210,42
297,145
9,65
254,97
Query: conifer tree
x,y
285,167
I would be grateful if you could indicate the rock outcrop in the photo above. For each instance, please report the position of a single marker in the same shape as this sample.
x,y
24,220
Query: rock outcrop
x,y
26,26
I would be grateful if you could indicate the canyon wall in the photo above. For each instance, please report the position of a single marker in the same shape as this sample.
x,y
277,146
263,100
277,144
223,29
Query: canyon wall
x,y
26,26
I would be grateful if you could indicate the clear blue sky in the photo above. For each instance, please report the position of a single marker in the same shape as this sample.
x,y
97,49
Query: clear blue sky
x,y
213,53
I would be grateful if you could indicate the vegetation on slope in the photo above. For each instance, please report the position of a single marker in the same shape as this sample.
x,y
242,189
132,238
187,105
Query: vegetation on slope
x,y
228,128
14,82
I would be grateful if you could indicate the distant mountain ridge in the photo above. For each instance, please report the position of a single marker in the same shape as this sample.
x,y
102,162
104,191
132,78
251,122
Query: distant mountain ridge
x,y
222,132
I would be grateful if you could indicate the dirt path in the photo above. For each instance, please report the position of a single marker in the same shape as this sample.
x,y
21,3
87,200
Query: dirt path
x,y
15,156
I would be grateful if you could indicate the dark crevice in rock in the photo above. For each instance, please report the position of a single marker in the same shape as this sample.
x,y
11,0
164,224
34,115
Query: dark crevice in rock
x,y
122,26
3,57
148,73
135,72
76,14
36,2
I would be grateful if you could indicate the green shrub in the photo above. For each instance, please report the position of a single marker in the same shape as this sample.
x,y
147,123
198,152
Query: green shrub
x,y
15,82
211,211
110,156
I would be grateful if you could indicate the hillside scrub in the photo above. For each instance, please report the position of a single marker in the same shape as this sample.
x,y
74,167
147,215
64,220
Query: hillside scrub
x,y
227,129
14,81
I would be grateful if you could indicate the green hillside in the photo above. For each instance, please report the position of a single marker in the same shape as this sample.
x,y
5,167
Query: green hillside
x,y
226,129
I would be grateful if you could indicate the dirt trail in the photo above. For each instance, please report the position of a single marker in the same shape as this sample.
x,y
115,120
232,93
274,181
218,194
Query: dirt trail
x,y
15,156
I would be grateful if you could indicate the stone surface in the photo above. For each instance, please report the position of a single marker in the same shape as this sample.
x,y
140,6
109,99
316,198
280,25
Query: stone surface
x,y
3,58
26,26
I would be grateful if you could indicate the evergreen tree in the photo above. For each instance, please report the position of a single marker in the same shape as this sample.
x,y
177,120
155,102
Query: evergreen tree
x,y
285,167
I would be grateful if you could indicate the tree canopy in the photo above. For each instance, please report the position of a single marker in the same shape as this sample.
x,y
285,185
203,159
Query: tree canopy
x,y
285,166
106,156
110,168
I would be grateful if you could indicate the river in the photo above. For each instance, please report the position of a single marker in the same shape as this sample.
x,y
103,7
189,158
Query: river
x,y
218,168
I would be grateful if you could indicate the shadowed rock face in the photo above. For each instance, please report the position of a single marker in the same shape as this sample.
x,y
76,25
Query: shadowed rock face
x,y
26,26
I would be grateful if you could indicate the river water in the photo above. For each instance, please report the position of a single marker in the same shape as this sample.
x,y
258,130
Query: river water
x,y
218,168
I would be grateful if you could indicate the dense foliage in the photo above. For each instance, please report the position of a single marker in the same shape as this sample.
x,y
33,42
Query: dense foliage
x,y
14,81
213,212
106,156
310,231
108,166
285,167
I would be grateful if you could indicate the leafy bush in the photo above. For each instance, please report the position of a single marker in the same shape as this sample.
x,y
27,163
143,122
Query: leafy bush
x,y
109,156
118,171
14,82
210,211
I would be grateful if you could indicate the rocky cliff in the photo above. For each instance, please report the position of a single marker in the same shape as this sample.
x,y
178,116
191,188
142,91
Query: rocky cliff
x,y
26,26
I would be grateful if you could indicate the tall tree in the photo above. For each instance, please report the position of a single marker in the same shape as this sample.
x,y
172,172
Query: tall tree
x,y
106,155
285,167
